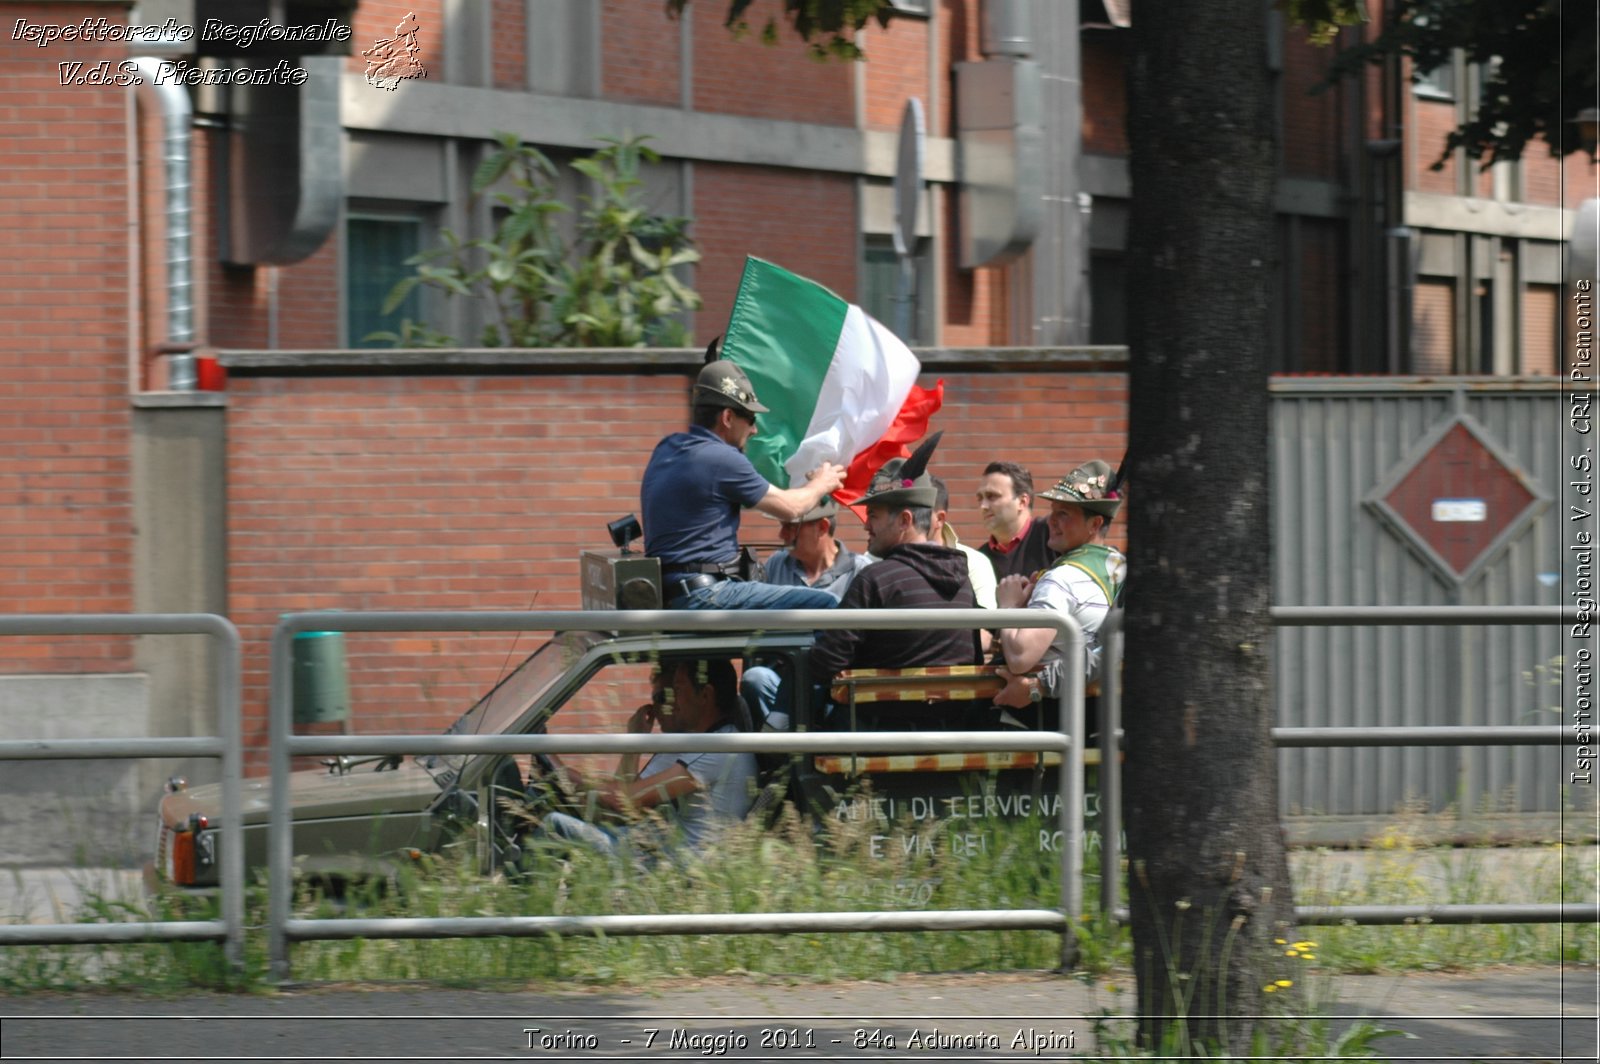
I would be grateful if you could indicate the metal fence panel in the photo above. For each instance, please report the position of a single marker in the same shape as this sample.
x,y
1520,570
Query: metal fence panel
x,y
282,928
1337,442
226,747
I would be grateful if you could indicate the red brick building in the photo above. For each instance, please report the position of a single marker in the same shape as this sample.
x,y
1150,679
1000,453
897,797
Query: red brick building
x,y
352,481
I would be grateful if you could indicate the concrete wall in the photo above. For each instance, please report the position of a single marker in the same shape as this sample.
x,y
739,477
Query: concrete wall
x,y
75,812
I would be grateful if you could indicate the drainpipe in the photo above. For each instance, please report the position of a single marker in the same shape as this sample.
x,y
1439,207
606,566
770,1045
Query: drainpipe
x,y
175,113
1006,32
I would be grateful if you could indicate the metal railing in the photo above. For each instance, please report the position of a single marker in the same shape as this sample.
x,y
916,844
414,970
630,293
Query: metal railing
x,y
1111,737
225,747
283,928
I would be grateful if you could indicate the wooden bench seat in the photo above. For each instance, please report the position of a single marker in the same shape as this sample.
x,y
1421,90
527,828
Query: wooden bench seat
x,y
930,685
993,761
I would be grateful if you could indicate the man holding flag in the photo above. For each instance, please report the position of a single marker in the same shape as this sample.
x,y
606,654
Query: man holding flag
x,y
841,386
694,488
845,401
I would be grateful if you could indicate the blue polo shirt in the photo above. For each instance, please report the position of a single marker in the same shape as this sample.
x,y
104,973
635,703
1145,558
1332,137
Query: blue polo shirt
x,y
691,495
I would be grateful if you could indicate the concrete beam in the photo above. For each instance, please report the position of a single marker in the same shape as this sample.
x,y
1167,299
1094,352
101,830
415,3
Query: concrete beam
x,y
1427,210
428,109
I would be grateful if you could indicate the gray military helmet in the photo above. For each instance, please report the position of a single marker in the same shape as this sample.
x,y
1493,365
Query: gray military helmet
x,y
722,383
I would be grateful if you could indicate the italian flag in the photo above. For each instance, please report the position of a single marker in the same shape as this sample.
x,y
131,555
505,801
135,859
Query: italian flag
x,y
839,386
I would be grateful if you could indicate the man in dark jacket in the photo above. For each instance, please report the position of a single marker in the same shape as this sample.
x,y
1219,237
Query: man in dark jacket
x,y
912,572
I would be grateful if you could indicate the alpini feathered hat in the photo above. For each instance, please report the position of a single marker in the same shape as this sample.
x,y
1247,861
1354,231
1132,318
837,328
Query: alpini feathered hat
x,y
905,481
1093,486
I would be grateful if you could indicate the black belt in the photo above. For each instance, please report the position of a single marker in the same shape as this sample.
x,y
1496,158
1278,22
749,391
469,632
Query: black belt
x,y
683,584
677,569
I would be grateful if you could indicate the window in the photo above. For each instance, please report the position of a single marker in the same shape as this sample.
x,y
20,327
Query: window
x,y
918,8
1108,298
1438,83
376,250
880,287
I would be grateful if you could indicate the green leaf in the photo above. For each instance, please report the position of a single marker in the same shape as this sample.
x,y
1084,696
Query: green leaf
x,y
589,168
398,294
491,170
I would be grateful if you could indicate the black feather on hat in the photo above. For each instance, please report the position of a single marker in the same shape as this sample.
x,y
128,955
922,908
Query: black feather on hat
x,y
905,482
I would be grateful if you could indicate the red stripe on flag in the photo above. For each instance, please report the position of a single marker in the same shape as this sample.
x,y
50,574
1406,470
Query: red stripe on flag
x,y
910,425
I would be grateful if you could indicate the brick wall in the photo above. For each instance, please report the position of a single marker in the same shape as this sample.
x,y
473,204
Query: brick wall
x,y
896,70
1433,326
1541,314
65,514
1105,94
510,30
1432,121
375,20
1312,132
746,77
478,493
803,221
640,59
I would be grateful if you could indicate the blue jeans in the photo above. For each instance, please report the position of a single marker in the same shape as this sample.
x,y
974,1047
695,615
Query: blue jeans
x,y
765,694
565,826
751,595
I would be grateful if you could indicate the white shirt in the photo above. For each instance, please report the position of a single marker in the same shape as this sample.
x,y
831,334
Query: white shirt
x,y
1073,592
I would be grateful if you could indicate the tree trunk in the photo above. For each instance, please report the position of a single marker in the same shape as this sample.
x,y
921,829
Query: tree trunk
x,y
1208,878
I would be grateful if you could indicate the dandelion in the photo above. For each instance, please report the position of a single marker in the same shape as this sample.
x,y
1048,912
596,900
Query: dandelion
x,y
1291,953
1270,988
1281,941
1285,983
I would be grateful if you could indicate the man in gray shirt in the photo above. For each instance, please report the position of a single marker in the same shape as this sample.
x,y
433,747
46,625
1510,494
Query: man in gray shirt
x,y
813,557
699,794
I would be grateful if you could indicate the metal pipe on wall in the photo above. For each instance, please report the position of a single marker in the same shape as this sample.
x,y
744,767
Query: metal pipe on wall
x,y
175,115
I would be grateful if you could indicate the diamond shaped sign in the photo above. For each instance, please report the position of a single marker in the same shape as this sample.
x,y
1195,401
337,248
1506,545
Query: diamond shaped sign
x,y
1457,498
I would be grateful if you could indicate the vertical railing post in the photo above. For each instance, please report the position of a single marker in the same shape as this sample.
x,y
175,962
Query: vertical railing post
x,y
1111,765
280,842
230,729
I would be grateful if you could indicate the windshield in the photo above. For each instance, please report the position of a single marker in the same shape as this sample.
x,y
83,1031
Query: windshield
x,y
500,709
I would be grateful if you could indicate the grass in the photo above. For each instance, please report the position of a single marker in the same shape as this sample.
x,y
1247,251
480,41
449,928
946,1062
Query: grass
x,y
796,866
1400,869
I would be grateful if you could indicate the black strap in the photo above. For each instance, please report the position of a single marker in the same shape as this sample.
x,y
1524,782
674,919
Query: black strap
x,y
671,569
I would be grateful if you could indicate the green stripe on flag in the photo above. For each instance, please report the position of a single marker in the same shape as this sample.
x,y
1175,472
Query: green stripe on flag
x,y
783,333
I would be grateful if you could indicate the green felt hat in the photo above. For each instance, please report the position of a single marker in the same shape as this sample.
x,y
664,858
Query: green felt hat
x,y
905,481
1091,486
721,383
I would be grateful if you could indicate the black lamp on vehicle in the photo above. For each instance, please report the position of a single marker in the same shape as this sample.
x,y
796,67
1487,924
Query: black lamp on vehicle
x,y
624,530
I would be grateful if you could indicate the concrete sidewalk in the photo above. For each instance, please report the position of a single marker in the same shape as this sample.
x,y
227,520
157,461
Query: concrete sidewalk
x,y
1545,1014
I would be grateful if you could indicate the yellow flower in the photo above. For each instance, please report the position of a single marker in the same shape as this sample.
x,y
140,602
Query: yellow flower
x,y
1310,957
1284,982
1270,988
1281,941
1291,953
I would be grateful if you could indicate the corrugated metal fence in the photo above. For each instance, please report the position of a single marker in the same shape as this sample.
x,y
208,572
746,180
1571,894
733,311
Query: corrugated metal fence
x,y
1420,492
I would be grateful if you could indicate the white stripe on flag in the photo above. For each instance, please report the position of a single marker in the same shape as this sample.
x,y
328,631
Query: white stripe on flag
x,y
865,386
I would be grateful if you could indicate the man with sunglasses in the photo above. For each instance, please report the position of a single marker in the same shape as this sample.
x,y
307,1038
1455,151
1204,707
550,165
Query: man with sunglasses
x,y
694,489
